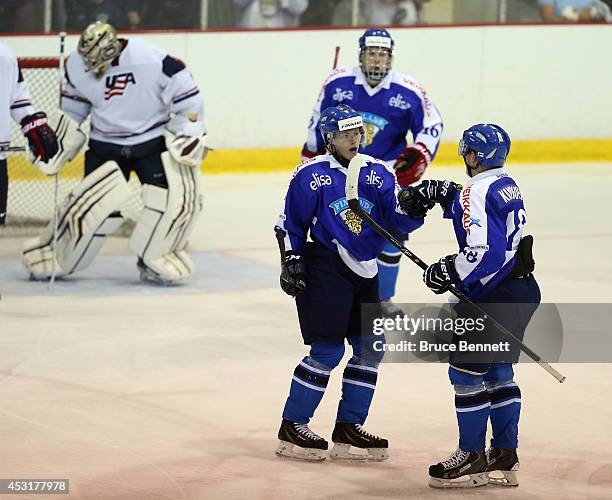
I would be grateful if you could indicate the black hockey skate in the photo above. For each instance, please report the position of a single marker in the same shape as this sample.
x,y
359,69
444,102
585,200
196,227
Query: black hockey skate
x,y
502,464
310,446
347,435
463,469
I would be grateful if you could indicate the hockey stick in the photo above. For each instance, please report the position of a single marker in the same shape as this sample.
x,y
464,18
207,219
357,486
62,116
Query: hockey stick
x,y
352,196
62,37
337,53
12,149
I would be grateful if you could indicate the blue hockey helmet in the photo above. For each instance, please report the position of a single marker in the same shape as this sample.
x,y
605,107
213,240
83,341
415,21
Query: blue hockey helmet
x,y
338,119
490,142
378,38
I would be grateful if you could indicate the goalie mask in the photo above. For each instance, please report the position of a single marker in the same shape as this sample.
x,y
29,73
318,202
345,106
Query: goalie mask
x,y
376,54
98,46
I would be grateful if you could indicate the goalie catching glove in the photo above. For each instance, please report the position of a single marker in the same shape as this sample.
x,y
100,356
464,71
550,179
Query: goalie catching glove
x,y
411,164
186,140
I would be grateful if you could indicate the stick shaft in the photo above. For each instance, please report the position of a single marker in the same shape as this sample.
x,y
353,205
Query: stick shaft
x,y
336,54
352,195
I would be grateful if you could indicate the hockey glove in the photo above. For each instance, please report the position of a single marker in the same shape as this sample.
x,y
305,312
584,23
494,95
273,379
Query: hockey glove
x,y
411,164
439,277
432,191
41,137
293,274
412,204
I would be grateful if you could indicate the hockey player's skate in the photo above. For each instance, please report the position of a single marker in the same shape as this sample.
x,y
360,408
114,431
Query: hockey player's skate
x,y
299,442
463,469
502,464
347,435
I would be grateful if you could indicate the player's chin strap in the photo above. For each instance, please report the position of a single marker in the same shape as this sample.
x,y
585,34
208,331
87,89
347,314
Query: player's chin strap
x,y
167,221
352,196
87,216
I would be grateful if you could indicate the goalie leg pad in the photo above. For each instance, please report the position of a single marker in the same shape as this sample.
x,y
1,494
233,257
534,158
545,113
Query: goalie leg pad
x,y
169,216
86,217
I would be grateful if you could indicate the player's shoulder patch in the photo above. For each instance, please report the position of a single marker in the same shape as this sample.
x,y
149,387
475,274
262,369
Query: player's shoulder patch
x,y
171,66
408,82
310,163
340,72
377,161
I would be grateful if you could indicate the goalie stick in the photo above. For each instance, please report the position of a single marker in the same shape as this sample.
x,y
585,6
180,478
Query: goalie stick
x,y
352,196
12,149
56,206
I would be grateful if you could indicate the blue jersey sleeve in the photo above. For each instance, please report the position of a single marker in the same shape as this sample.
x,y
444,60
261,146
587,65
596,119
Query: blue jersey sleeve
x,y
300,207
394,216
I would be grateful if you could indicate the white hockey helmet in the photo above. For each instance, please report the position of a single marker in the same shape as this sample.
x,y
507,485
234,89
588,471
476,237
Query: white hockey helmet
x,y
98,46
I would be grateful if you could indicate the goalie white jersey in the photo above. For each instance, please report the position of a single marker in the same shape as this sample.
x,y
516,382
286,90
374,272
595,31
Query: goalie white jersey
x,y
14,96
132,102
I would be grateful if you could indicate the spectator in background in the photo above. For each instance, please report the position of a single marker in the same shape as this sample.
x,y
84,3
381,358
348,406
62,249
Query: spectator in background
x,y
84,12
270,13
133,14
319,13
574,11
392,12
172,14
21,16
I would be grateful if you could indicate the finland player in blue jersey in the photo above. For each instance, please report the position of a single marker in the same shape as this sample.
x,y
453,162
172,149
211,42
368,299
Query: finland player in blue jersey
x,y
392,105
494,268
331,277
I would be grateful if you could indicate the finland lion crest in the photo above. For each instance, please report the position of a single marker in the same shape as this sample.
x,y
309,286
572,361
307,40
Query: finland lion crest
x,y
351,219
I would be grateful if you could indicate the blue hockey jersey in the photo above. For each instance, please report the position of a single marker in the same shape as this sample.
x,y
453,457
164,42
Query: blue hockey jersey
x,y
396,106
316,203
488,217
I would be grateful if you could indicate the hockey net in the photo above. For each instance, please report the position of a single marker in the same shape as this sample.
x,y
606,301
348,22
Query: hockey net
x,y
31,194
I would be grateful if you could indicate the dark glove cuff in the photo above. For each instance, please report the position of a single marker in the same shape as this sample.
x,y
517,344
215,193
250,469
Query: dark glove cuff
x,y
449,262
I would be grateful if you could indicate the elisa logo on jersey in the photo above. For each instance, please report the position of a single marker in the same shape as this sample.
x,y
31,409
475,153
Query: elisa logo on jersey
x,y
374,179
398,102
319,180
349,218
116,84
342,95
372,125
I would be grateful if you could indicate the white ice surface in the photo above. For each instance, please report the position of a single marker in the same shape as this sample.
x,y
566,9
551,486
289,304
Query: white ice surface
x,y
135,392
